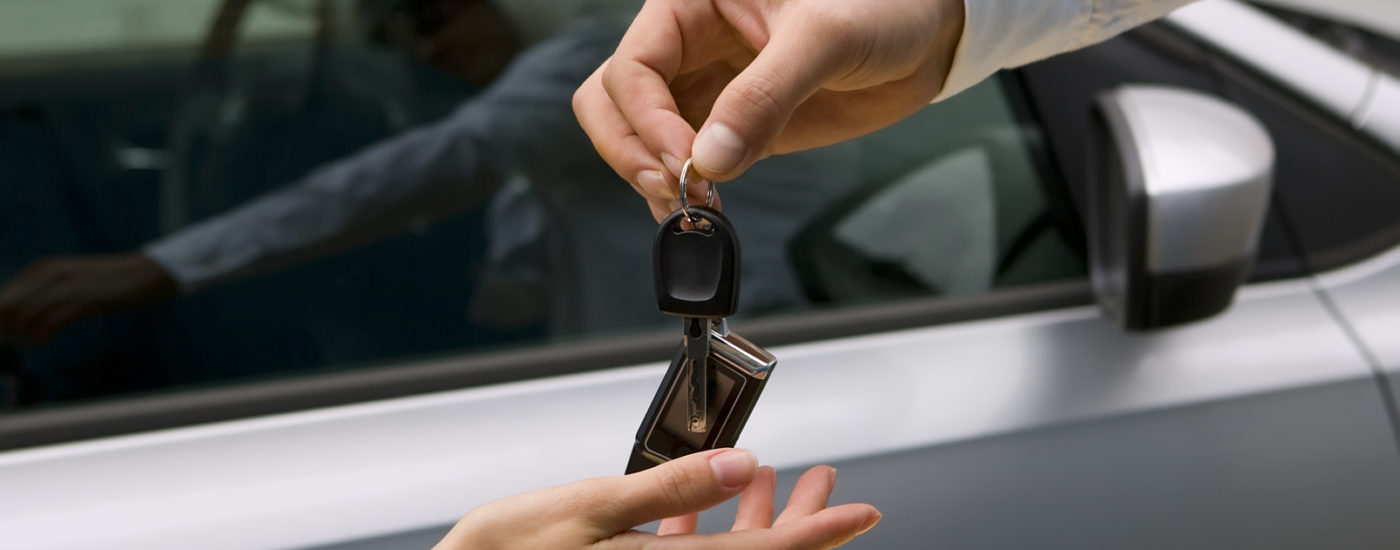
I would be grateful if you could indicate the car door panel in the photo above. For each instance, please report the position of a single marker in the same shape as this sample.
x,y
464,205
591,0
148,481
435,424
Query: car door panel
x,y
1367,296
1262,471
375,469
1270,471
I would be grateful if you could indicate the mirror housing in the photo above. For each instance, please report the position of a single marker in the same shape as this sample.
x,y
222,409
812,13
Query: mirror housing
x,y
1179,190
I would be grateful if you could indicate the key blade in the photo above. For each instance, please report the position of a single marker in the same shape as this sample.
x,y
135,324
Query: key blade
x,y
695,407
697,350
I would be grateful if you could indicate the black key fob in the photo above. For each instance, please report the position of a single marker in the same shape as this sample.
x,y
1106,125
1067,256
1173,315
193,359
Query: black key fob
x,y
739,370
696,271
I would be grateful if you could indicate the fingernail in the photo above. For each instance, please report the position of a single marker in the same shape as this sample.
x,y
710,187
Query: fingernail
x,y
831,483
672,163
654,183
718,149
734,468
870,523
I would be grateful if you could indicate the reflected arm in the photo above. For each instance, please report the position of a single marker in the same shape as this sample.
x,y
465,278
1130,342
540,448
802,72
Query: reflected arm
x,y
441,169
423,174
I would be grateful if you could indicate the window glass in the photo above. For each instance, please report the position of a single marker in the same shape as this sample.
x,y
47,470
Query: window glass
x,y
312,186
55,30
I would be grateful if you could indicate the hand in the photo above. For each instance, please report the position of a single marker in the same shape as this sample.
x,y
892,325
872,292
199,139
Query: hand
x,y
52,293
600,513
759,77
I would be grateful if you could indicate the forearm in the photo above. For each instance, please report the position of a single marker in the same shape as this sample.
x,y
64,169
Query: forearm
x,y
1000,34
423,174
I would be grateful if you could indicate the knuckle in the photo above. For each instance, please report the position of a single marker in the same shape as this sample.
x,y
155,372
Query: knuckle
x,y
757,97
588,496
672,485
849,40
581,96
611,76
833,22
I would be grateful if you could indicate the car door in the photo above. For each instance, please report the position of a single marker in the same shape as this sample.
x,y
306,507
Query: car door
x,y
1359,258
978,398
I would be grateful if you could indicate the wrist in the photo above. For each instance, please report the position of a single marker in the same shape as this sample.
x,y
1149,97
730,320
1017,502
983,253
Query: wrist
x,y
948,40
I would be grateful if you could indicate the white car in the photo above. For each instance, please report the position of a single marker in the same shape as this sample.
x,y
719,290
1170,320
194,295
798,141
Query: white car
x,y
1010,346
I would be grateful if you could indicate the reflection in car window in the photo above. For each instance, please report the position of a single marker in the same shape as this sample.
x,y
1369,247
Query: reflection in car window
x,y
406,178
54,30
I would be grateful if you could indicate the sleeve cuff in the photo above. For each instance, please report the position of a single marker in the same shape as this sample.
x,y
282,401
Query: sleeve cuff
x,y
167,255
199,255
1009,33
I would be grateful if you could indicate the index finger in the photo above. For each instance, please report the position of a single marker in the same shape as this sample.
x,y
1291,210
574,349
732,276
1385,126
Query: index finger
x,y
647,59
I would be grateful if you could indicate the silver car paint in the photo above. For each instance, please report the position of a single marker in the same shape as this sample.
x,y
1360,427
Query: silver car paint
x,y
1207,173
1335,82
1367,295
1381,116
365,470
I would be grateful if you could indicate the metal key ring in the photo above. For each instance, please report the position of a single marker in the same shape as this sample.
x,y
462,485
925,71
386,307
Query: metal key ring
x,y
685,203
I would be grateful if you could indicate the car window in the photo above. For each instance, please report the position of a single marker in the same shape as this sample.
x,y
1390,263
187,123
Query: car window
x,y
377,186
43,32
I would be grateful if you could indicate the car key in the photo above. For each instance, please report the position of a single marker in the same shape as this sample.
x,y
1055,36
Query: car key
x,y
696,277
740,372
697,352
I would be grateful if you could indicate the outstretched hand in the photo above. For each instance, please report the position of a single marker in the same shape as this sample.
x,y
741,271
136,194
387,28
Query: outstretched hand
x,y
602,513
759,77
52,293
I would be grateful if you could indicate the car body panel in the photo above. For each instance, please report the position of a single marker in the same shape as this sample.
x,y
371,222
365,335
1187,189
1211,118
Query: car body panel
x,y
1334,81
1262,471
1381,116
1302,469
1367,295
365,470
1337,83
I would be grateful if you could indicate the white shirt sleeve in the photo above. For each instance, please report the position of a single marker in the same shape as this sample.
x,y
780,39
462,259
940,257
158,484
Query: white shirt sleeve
x,y
1001,34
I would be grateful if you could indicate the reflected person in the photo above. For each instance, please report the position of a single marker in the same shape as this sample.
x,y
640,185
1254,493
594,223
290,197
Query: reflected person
x,y
579,223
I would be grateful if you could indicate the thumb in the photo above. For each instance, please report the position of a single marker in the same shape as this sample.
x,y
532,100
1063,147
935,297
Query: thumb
x,y
753,109
688,484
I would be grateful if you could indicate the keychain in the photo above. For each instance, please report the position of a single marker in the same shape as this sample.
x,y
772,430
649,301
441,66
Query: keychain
x,y
716,376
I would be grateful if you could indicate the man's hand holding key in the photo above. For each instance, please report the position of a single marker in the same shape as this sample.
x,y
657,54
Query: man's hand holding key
x,y
759,77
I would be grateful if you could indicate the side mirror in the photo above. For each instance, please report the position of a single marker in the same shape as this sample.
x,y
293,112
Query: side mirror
x,y
1180,187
